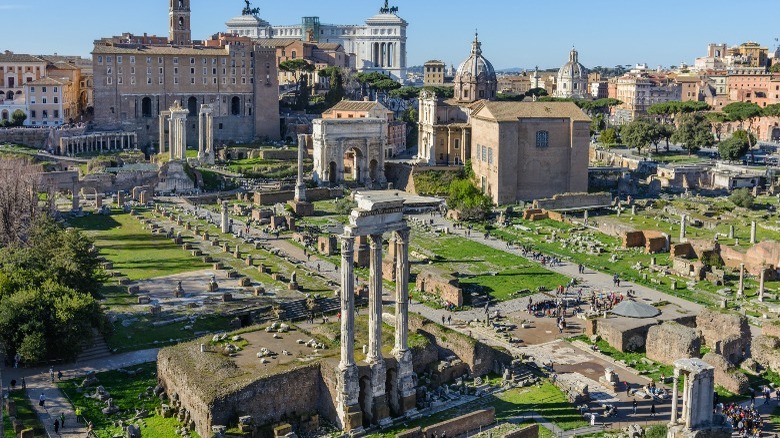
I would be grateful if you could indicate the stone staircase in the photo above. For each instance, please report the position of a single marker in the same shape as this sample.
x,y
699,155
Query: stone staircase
x,y
298,310
97,349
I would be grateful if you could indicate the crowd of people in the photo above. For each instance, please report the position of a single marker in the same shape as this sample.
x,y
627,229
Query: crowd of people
x,y
746,421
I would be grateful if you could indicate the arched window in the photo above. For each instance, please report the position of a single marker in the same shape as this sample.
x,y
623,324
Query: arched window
x,y
542,139
181,23
181,3
192,106
10,95
235,106
146,107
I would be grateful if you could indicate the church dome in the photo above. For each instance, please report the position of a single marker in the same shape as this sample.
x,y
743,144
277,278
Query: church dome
x,y
476,66
573,68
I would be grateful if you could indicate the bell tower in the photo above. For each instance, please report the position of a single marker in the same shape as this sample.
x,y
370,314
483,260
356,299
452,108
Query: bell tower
x,y
180,33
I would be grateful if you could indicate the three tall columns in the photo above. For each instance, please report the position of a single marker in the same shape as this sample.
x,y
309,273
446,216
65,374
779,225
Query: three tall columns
x,y
348,385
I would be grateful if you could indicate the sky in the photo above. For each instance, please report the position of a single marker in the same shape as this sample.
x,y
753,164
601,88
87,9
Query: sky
x,y
514,33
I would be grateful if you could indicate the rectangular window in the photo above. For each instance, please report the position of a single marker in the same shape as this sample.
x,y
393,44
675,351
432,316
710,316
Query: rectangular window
x,y
192,71
132,70
43,89
118,59
205,71
148,81
33,114
176,70
542,139
161,70
490,155
56,99
100,60
45,114
484,153
159,60
44,100
192,60
192,81
32,89
148,59
56,114
119,80
175,80
109,81
148,70
214,71
132,60
175,60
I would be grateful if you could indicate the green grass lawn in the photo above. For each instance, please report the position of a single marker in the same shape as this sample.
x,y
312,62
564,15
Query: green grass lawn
x,y
484,268
134,251
545,399
125,391
141,334
24,412
634,359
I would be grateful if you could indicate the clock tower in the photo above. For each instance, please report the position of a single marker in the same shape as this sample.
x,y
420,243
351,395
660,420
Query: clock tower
x,y
180,33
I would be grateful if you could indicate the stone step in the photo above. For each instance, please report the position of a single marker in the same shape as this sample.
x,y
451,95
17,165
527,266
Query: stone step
x,y
97,349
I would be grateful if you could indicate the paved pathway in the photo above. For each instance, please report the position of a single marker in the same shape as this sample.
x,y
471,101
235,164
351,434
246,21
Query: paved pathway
x,y
39,382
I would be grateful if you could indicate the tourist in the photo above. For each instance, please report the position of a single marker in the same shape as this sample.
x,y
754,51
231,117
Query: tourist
x,y
652,409
633,405
24,385
57,426
449,320
51,374
17,359
62,419
59,373
42,401
443,320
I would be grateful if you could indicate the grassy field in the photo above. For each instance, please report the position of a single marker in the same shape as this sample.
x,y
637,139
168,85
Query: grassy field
x,y
634,359
134,251
484,268
125,391
545,399
263,168
140,334
24,412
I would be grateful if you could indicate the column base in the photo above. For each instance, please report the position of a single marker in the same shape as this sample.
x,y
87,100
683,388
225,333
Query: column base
x,y
409,405
302,208
380,411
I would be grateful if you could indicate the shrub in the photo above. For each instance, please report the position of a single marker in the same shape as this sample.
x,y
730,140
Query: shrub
x,y
742,198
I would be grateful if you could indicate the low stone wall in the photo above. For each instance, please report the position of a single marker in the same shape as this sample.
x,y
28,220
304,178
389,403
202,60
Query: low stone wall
x,y
279,154
653,241
565,201
282,196
671,341
530,431
463,424
726,375
31,137
480,358
442,284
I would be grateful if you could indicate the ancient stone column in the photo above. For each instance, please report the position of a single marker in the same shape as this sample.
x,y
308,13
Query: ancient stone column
x,y
407,394
682,228
761,284
75,201
347,302
741,289
731,231
375,300
673,420
99,201
347,383
225,219
300,187
380,411
201,127
753,232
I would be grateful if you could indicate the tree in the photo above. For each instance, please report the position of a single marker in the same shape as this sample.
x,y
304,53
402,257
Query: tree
x,y
608,137
442,92
775,68
48,288
406,93
501,97
733,148
299,68
465,197
411,117
772,110
536,92
19,181
637,134
743,112
18,117
303,94
744,136
694,132
336,91
598,106
597,124
742,198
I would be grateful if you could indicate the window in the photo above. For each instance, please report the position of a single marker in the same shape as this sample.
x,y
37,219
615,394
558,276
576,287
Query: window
x,y
56,99
490,155
148,59
148,81
175,60
32,89
542,139
56,114
192,60
132,60
484,153
159,60
45,114
33,114
118,59
176,70
43,89
192,71
55,90
100,60
108,70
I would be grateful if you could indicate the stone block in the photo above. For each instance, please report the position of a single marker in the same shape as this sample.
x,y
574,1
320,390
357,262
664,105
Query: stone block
x,y
264,269
143,299
245,282
232,274
249,261
187,246
132,290
218,266
226,297
207,259
292,286
259,291
277,277
196,253
155,309
671,341
726,375
27,433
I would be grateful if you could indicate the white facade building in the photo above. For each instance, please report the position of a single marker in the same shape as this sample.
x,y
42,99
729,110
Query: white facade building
x,y
379,45
572,79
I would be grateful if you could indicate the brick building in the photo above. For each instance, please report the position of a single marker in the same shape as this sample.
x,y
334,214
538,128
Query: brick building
x,y
137,77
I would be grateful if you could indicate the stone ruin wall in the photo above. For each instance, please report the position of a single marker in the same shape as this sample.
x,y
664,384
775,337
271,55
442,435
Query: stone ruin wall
x,y
726,375
622,339
711,324
439,284
671,341
480,358
766,351
282,196
573,200
287,395
771,328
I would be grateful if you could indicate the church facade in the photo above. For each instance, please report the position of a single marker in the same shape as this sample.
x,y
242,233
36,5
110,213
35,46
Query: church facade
x,y
379,45
572,80
138,77
519,151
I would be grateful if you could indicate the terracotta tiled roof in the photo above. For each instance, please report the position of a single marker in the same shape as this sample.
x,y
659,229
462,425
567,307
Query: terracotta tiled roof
x,y
19,57
508,111
328,46
356,105
101,49
276,42
46,81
